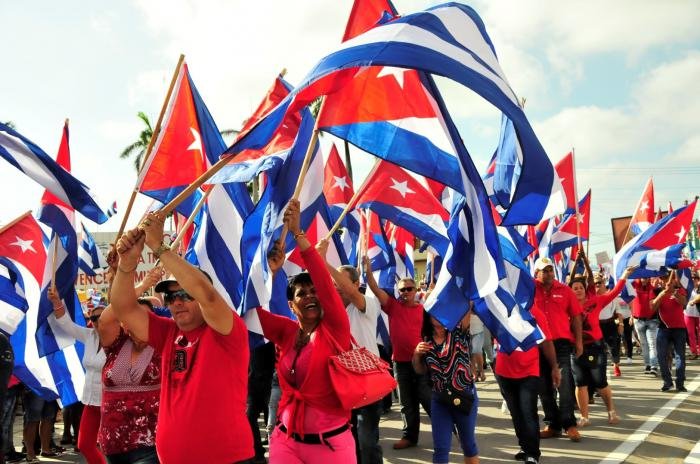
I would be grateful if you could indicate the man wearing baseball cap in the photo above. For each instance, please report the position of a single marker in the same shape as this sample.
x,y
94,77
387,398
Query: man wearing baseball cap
x,y
204,350
563,313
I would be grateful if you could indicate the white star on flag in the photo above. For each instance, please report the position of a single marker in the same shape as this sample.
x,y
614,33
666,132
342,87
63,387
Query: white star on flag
x,y
197,143
341,183
644,206
680,234
401,187
398,74
24,244
580,218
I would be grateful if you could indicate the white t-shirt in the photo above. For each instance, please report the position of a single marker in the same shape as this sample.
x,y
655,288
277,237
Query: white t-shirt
x,y
363,325
691,309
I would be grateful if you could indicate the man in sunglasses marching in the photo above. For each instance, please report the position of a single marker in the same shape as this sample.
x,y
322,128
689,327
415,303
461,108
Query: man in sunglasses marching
x,y
204,350
405,322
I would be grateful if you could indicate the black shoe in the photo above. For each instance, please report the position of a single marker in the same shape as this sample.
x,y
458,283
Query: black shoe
x,y
654,371
14,456
666,388
681,389
647,370
520,455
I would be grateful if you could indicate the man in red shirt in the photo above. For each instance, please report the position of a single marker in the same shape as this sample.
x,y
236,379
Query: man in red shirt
x,y
204,348
563,313
405,322
670,302
646,323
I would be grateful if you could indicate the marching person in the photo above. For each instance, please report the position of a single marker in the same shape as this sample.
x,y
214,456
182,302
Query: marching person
x,y
670,302
204,350
313,427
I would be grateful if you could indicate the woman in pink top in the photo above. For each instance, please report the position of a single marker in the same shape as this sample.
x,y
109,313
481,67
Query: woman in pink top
x,y
590,368
312,425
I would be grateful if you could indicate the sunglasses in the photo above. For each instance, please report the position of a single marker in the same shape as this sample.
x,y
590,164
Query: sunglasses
x,y
170,297
599,283
407,289
95,318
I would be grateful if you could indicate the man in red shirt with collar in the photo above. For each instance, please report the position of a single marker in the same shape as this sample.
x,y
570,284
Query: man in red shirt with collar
x,y
646,323
670,303
563,313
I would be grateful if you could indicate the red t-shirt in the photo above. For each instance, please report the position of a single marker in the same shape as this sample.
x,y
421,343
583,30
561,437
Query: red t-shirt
x,y
405,323
520,364
641,304
671,311
559,305
203,393
591,312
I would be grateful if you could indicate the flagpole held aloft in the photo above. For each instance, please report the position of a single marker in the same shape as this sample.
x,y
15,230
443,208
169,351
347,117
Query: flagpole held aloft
x,y
154,137
14,221
190,219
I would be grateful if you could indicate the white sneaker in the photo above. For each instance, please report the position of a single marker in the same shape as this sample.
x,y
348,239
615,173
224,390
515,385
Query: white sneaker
x,y
628,361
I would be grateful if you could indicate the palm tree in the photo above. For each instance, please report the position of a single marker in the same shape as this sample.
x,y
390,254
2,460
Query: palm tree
x,y
141,145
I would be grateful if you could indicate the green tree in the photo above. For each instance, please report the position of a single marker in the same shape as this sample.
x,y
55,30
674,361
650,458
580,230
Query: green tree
x,y
139,147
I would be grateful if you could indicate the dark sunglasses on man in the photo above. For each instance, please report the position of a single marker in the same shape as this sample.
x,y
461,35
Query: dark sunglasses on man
x,y
170,297
406,289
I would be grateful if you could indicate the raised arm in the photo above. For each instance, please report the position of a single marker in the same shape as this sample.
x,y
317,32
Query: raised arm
x,y
590,280
381,295
344,284
66,323
607,297
123,302
216,312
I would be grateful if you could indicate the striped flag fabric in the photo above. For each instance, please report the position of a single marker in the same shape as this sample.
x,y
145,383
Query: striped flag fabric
x,y
90,257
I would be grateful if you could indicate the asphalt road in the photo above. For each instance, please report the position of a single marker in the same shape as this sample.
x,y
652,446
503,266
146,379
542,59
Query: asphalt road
x,y
655,426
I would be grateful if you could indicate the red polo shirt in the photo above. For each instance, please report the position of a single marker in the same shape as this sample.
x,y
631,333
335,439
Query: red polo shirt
x,y
520,364
671,311
559,305
405,323
641,305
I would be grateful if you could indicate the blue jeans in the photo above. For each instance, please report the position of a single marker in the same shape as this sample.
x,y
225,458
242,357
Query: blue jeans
x,y
665,339
647,329
521,397
8,418
365,429
143,455
558,416
444,419
413,390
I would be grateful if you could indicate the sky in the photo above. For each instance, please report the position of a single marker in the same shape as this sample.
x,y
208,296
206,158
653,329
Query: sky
x,y
615,81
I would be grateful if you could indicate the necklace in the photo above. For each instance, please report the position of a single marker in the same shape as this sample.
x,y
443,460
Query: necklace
x,y
303,339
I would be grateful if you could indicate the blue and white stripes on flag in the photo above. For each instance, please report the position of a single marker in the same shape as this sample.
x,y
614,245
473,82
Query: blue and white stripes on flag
x,y
112,211
13,303
448,40
90,257
35,163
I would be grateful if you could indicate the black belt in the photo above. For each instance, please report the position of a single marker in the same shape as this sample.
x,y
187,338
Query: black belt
x,y
315,438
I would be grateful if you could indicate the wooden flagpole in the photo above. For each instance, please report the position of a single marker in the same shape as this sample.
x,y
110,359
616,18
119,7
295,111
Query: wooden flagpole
x,y
14,221
154,137
351,203
190,219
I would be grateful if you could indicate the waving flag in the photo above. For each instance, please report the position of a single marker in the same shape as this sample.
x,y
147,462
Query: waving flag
x,y
35,163
60,374
564,235
379,250
401,242
338,190
248,163
643,216
658,246
60,217
366,14
179,154
13,303
405,200
448,40
567,177
90,257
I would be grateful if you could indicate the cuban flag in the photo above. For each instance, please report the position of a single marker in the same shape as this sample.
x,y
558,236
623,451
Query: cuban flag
x,y
63,257
90,257
567,176
35,163
250,162
338,191
401,242
377,246
13,303
565,234
660,246
178,155
58,375
264,223
506,312
449,40
405,199
643,216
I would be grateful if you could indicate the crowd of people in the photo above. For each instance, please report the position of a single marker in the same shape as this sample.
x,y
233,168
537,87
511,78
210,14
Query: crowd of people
x,y
172,378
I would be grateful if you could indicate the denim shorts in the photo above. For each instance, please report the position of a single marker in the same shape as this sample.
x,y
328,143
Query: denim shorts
x,y
37,408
